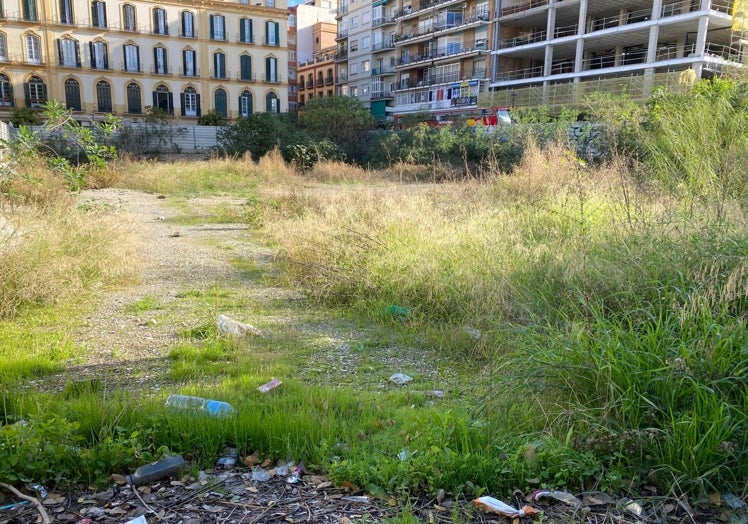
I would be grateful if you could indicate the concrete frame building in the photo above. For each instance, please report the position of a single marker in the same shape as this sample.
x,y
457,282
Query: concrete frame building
x,y
123,56
554,52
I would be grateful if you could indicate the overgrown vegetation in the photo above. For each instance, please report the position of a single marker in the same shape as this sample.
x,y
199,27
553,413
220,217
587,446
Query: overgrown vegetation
x,y
586,319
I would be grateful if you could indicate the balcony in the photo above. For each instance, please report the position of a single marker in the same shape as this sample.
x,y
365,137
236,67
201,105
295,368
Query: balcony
x,y
533,4
516,41
382,95
472,18
426,5
451,78
443,53
162,70
319,82
271,79
219,75
382,21
329,80
383,70
378,47
341,55
192,73
246,77
342,34
309,84
301,86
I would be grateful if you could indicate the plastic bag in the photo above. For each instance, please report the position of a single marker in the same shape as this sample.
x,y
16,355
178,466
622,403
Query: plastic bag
x,y
496,506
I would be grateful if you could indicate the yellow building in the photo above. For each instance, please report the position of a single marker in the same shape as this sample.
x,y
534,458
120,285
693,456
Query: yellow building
x,y
123,56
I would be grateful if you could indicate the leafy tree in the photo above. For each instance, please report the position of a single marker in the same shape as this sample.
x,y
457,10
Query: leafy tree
x,y
211,118
341,119
260,133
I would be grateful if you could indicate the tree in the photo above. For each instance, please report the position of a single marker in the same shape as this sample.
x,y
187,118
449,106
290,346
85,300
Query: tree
x,y
340,119
259,133
211,118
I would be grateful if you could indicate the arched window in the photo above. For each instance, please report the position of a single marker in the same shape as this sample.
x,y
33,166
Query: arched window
x,y
104,97
6,91
219,65
35,91
163,99
245,104
159,21
221,103
271,103
134,105
72,94
190,102
66,11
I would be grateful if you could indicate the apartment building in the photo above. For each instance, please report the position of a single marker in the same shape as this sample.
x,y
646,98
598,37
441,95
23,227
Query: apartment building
x,y
554,52
293,98
123,56
317,74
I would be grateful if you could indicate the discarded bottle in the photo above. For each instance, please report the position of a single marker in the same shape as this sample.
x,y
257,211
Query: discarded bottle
x,y
216,408
165,467
269,385
229,326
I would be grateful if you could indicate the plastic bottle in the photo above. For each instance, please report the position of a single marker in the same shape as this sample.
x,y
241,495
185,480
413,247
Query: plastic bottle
x,y
165,467
216,408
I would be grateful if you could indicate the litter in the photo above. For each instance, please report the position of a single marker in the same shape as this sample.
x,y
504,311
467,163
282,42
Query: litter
x,y
400,378
137,520
165,467
472,332
212,407
496,506
229,326
228,459
561,496
399,312
295,475
259,474
274,383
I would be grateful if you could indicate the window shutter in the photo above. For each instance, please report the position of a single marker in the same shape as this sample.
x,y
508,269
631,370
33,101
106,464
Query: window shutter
x,y
91,55
94,15
251,31
44,92
212,29
184,62
59,51
197,102
156,63
171,103
103,12
105,50
267,70
155,100
242,30
27,93
181,102
77,54
277,33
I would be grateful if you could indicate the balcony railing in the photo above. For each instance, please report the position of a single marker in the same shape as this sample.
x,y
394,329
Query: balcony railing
x,y
516,41
380,95
384,70
424,6
523,7
471,18
220,75
382,46
195,72
270,79
382,20
519,74
246,77
450,78
329,80
444,52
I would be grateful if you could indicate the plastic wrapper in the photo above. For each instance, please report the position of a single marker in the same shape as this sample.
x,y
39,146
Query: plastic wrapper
x,y
229,326
561,496
269,385
501,508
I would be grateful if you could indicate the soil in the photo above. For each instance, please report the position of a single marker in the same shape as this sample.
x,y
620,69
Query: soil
x,y
130,348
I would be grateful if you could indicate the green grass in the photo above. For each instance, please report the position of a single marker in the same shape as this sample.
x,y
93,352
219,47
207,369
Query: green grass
x,y
583,341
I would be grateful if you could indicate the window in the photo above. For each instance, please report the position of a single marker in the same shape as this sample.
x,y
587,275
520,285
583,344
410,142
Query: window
x,y
245,31
353,69
245,67
68,52
188,63
2,13
269,3
245,104
36,92
271,69
128,17
365,89
163,99
99,55
292,56
354,45
190,102
33,54
66,11
159,61
72,95
29,10
354,22
159,22
271,33
104,97
353,90
365,42
293,107
188,24
221,103
291,20
98,13
271,103
217,27
219,65
132,58
134,107
6,91
3,48
365,18
365,65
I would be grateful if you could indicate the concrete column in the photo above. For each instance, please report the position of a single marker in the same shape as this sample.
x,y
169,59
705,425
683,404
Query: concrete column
x,y
654,32
581,30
